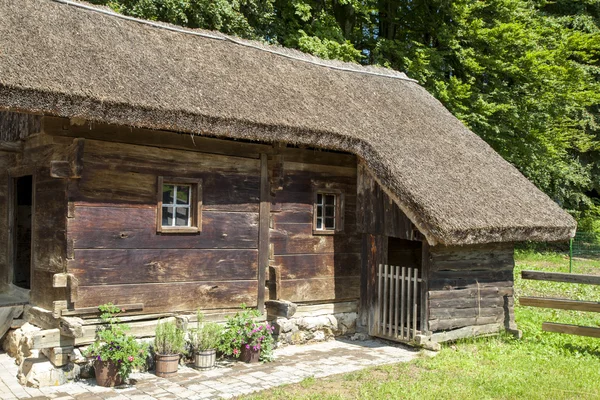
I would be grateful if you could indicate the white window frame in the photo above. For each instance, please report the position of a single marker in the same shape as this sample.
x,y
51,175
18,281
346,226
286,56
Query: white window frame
x,y
338,211
195,205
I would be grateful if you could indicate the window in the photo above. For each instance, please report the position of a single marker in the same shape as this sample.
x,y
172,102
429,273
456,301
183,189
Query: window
x,y
328,212
179,205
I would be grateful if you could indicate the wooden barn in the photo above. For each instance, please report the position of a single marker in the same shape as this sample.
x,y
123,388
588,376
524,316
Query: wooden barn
x,y
167,170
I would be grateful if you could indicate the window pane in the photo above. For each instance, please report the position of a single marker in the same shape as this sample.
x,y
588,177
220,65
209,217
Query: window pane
x,y
330,199
329,223
168,194
319,211
319,198
167,216
183,215
319,223
183,194
329,211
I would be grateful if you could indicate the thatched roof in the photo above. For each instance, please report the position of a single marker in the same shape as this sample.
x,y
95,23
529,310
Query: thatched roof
x,y
66,61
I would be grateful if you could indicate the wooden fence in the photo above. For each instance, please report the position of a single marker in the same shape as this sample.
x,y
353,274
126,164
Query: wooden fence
x,y
398,302
563,304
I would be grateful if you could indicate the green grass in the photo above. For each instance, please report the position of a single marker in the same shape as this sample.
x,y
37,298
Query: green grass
x,y
541,365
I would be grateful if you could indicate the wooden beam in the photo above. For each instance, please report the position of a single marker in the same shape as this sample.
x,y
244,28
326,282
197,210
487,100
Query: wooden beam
x,y
12,147
571,329
263,231
561,277
562,304
95,311
155,138
281,308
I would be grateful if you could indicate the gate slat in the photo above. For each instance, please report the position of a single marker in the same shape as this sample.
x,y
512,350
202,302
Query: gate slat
x,y
376,323
385,298
402,294
396,303
391,304
415,292
408,303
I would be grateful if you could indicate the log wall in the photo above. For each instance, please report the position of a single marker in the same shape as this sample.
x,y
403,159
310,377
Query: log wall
x,y
470,286
7,160
313,267
117,254
15,126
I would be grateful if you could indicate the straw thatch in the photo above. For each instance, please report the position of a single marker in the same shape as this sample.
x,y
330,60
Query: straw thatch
x,y
62,60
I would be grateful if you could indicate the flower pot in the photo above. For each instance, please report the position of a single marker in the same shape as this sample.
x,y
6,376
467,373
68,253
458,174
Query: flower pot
x,y
166,365
205,359
107,373
249,355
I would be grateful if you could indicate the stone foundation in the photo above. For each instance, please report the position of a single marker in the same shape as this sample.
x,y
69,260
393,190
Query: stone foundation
x,y
299,330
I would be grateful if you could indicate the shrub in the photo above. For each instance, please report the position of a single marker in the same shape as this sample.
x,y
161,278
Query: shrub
x,y
242,330
114,345
206,335
169,338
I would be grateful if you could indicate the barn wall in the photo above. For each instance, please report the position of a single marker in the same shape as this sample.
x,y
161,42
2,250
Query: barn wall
x,y
117,254
470,285
313,267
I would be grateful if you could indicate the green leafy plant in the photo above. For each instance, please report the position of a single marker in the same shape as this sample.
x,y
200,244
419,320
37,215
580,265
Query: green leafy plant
x,y
206,335
241,330
169,338
114,345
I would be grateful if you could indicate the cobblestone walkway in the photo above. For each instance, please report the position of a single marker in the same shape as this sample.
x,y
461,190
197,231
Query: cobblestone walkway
x,y
227,380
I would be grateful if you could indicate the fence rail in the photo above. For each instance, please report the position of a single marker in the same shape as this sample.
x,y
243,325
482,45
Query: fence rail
x,y
563,304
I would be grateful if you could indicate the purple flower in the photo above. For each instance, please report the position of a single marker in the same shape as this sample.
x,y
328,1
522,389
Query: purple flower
x,y
247,346
99,358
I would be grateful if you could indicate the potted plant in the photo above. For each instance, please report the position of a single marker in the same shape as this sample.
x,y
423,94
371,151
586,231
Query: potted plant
x,y
247,339
114,353
169,343
205,339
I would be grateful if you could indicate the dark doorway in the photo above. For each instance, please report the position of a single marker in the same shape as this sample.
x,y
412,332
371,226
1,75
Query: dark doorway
x,y
22,232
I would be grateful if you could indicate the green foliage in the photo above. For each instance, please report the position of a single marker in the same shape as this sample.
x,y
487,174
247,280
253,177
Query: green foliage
x,y
169,338
113,344
241,330
206,335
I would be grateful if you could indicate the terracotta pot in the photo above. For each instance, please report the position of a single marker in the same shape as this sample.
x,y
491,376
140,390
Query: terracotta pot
x,y
249,355
107,374
166,365
205,359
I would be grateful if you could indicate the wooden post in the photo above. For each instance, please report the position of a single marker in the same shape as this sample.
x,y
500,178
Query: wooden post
x,y
263,231
425,259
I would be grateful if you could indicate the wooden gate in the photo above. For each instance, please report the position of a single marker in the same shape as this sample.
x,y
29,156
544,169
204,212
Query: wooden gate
x,y
398,307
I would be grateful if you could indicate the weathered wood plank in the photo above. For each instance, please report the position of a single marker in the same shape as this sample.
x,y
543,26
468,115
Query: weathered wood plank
x,y
451,313
315,156
561,277
298,239
468,331
571,329
134,227
562,304
306,266
122,266
471,302
324,289
311,310
471,293
263,231
147,137
171,297
281,308
87,311
12,147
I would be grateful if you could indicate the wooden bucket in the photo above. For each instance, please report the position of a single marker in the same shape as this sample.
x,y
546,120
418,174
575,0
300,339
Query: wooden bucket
x,y
249,355
205,359
107,374
166,365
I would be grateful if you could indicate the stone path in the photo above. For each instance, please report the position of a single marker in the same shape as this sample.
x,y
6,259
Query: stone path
x,y
229,379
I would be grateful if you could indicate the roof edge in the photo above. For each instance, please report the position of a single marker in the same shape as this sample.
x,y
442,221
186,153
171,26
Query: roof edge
x,y
76,106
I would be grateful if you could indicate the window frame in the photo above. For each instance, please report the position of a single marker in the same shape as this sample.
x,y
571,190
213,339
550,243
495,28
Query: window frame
x,y
338,211
195,205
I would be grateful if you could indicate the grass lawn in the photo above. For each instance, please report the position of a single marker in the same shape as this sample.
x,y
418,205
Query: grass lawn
x,y
539,366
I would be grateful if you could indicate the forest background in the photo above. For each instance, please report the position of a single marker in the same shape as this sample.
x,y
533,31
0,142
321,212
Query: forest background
x,y
522,74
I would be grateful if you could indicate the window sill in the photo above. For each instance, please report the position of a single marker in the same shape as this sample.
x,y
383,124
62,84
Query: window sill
x,y
324,232
181,229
